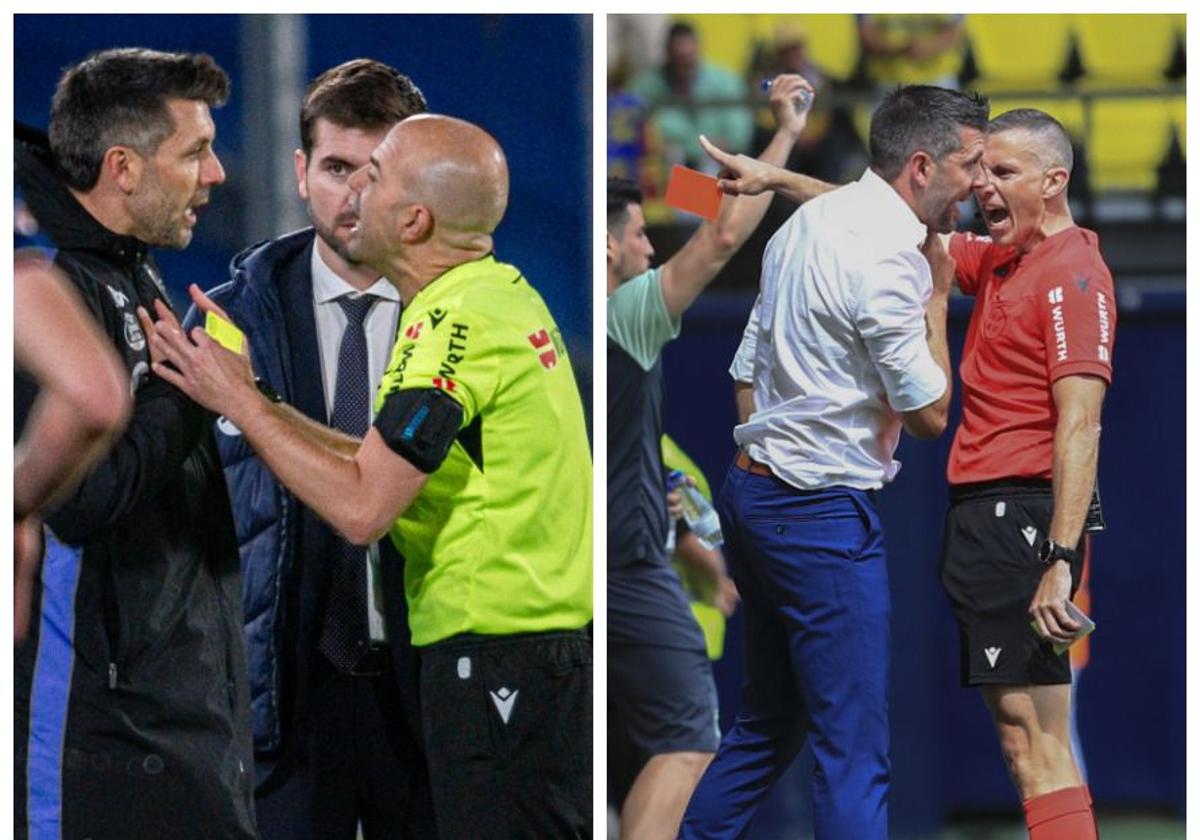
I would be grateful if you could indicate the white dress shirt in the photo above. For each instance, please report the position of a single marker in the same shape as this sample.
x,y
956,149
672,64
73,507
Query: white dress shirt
x,y
380,326
835,345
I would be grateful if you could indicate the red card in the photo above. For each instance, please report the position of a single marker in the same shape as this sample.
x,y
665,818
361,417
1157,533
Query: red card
x,y
693,192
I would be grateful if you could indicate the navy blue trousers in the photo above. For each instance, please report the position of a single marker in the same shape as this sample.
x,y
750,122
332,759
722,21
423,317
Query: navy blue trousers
x,y
812,573
356,763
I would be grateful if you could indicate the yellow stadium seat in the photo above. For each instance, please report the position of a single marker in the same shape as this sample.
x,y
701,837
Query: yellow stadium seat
x,y
725,40
1125,50
1018,51
833,43
1128,139
1068,111
1177,106
898,30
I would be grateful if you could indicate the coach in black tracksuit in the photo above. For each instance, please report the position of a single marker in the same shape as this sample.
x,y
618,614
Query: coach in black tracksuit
x,y
132,711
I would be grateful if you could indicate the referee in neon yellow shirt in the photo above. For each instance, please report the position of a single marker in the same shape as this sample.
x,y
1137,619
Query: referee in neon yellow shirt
x,y
478,465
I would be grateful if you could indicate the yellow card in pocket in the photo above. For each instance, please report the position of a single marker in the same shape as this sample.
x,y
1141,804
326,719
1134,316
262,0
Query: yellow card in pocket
x,y
224,332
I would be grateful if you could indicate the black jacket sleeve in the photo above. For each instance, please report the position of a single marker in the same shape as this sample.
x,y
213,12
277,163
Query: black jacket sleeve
x,y
166,426
164,429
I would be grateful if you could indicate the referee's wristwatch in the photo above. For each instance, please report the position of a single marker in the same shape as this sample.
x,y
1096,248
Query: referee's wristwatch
x,y
1050,552
266,390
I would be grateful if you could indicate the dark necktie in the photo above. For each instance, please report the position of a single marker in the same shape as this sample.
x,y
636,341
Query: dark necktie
x,y
345,635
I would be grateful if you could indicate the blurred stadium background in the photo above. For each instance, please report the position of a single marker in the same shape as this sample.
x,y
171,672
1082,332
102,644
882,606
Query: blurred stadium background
x,y
1117,83
536,102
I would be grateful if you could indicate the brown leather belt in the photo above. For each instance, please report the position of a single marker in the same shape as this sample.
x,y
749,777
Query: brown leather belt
x,y
745,462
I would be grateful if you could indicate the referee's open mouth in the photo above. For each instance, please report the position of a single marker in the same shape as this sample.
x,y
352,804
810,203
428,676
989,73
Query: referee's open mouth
x,y
999,220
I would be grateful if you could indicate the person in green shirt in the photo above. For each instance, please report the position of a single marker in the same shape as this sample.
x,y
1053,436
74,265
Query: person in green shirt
x,y
662,701
680,91
477,464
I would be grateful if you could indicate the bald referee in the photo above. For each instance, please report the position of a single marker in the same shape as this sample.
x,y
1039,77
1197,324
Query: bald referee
x,y
477,463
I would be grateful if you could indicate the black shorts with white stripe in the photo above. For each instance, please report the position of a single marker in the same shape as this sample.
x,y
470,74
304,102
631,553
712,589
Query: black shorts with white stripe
x,y
990,571
508,734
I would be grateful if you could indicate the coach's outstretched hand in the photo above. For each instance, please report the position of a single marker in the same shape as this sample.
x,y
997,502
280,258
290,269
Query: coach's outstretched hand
x,y
218,379
744,175
741,174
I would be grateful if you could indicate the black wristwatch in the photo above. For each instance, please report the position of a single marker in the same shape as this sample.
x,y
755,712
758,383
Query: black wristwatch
x,y
267,391
1050,552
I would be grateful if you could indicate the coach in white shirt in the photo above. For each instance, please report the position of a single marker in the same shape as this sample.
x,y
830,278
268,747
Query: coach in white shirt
x,y
846,344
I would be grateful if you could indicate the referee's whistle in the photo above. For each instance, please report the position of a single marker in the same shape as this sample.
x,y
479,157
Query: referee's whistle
x,y
806,96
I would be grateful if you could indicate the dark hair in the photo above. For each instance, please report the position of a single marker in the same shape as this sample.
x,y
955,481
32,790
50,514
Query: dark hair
x,y
362,93
1052,137
680,29
119,98
621,193
921,118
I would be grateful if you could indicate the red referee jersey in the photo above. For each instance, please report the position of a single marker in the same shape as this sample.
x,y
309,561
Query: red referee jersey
x,y
1038,317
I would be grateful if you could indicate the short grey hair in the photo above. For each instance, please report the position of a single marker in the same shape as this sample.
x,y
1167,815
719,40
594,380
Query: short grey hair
x,y
1053,143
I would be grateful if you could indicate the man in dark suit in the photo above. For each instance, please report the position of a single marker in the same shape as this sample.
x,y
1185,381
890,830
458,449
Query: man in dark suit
x,y
333,675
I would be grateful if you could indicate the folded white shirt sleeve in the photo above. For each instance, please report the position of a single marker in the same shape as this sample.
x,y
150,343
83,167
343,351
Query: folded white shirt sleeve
x,y
742,368
891,320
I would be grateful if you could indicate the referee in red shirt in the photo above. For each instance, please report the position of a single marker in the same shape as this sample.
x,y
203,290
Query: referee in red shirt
x,y
1036,364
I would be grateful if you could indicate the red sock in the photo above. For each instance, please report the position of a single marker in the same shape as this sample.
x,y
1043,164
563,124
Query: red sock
x,y
1061,815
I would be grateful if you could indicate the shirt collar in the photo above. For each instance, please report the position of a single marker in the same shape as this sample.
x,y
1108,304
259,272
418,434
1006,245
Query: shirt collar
x,y
890,209
328,286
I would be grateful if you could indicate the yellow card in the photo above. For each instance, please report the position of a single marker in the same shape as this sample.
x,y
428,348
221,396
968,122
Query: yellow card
x,y
224,332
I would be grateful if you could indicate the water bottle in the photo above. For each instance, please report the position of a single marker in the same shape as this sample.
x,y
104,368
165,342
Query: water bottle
x,y
805,100
701,517
674,479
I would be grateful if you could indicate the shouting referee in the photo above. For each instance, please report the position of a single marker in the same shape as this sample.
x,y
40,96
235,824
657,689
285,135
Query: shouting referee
x,y
1035,366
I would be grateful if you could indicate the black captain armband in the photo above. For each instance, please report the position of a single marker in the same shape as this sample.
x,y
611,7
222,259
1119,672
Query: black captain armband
x,y
419,425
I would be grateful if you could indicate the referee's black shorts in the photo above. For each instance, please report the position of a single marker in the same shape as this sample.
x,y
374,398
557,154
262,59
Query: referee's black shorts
x,y
990,571
508,734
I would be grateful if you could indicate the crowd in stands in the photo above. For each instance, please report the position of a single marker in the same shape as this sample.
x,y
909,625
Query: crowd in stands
x,y
1116,82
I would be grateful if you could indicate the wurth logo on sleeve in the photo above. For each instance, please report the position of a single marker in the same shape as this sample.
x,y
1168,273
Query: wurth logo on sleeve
x,y
1105,327
541,342
1055,297
414,331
